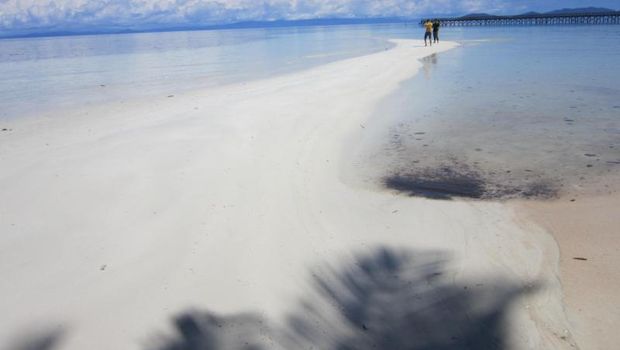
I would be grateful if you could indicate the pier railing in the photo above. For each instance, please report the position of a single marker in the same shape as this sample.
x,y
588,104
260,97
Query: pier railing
x,y
534,19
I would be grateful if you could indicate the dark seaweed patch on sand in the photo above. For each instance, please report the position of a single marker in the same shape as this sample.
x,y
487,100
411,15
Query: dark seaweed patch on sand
x,y
461,181
440,183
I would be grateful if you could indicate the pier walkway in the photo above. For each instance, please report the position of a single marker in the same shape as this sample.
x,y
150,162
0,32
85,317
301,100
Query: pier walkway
x,y
612,17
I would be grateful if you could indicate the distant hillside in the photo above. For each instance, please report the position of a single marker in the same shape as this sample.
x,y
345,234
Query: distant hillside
x,y
579,11
531,13
566,11
238,25
312,22
477,15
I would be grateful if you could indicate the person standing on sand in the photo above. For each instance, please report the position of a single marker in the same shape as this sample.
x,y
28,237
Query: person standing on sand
x,y
429,30
436,26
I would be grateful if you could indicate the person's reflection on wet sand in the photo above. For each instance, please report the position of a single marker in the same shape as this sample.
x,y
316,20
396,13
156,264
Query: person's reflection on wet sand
x,y
428,64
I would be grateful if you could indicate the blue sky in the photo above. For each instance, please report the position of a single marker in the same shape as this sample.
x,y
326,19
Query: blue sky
x,y
19,16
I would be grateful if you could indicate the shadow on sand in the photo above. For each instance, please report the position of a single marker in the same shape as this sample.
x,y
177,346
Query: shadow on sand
x,y
47,340
455,179
387,299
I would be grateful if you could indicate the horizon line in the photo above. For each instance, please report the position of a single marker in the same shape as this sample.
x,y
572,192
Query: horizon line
x,y
279,23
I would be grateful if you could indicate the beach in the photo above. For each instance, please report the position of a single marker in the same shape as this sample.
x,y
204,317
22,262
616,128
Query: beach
x,y
585,230
117,217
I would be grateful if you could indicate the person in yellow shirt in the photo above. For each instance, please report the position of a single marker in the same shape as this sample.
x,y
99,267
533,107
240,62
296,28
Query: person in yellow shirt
x,y
428,25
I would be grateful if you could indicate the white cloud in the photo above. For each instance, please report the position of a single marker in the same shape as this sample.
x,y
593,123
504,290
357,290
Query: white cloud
x,y
67,14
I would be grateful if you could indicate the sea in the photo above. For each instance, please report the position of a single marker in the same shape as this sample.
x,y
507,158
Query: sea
x,y
515,111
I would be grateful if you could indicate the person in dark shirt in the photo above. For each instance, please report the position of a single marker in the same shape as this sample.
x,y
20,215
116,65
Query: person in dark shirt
x,y
436,26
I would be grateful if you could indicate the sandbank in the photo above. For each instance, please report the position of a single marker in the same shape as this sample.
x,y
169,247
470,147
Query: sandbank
x,y
117,217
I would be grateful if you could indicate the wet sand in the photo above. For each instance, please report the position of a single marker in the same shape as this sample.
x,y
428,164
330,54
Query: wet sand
x,y
558,173
587,231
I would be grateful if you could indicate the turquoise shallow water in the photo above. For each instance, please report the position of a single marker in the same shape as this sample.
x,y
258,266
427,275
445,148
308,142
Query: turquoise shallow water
x,y
41,74
517,107
516,111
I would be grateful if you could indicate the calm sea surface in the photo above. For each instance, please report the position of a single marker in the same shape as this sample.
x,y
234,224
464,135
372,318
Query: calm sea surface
x,y
524,107
41,74
516,111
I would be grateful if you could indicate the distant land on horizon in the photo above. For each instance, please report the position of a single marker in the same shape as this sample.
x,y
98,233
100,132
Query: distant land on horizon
x,y
283,23
237,25
579,10
565,11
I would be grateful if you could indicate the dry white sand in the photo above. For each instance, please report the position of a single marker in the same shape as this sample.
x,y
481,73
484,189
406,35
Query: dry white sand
x,y
114,218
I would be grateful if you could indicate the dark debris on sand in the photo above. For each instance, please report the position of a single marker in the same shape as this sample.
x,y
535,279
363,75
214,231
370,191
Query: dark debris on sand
x,y
457,180
441,183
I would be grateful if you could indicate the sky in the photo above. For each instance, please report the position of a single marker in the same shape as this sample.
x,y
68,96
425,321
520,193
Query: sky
x,y
22,16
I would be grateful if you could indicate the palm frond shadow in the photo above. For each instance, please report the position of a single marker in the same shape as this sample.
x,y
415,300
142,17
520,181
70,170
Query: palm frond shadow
x,y
386,299
43,340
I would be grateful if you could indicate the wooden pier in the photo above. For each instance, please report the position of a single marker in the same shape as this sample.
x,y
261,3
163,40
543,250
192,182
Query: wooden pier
x,y
533,19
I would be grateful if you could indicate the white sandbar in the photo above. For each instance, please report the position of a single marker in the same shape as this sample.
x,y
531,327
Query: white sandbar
x,y
116,217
